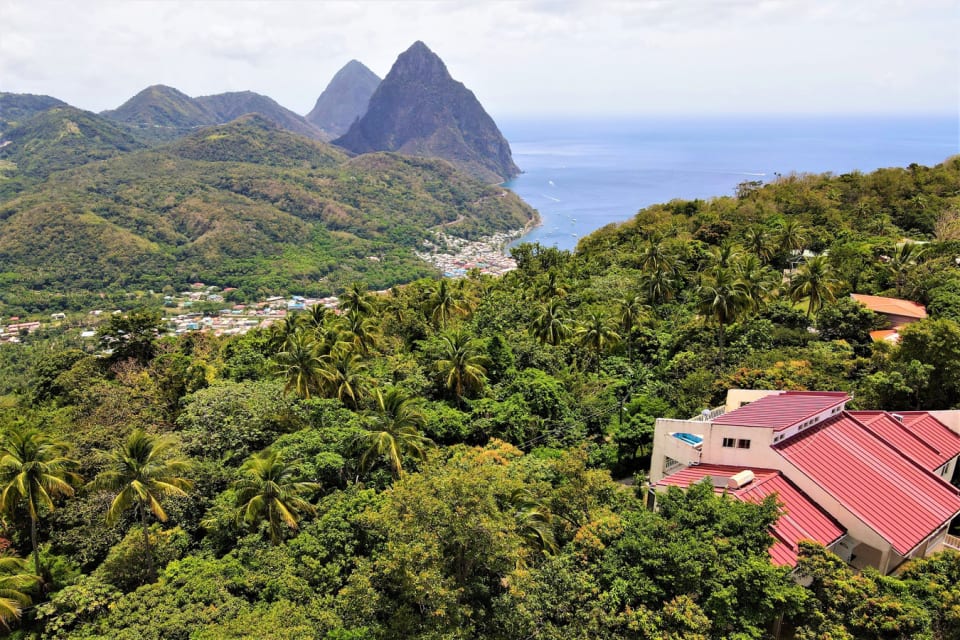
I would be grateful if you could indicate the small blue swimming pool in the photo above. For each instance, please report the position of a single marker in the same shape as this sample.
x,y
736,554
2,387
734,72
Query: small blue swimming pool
x,y
689,438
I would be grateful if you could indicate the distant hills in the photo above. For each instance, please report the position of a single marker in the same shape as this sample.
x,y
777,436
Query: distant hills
x,y
63,137
245,204
345,99
234,189
17,107
420,110
160,113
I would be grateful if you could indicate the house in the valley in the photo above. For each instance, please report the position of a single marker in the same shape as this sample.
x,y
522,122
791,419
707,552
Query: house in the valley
x,y
872,486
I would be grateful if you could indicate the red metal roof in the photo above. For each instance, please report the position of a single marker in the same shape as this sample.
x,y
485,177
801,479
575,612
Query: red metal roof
x,y
920,436
891,306
801,519
893,495
782,410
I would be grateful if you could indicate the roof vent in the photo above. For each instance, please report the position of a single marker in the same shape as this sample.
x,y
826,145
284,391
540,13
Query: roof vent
x,y
898,417
739,480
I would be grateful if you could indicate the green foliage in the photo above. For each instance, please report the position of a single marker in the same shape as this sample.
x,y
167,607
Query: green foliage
x,y
123,567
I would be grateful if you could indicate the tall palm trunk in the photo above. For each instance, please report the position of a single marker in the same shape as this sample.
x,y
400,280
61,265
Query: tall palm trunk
x,y
720,340
147,547
33,541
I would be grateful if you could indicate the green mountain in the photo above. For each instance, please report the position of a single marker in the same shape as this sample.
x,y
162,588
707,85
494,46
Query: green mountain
x,y
420,110
160,112
60,138
232,105
345,99
17,107
243,204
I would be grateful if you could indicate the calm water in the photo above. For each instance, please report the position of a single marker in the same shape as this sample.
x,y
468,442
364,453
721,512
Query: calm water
x,y
583,175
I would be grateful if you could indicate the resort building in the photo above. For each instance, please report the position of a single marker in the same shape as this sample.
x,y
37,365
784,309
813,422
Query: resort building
x,y
872,486
897,312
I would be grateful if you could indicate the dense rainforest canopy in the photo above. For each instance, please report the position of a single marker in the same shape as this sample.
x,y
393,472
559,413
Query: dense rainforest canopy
x,y
465,459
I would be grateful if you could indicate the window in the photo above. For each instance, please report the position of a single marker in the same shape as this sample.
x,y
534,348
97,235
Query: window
x,y
729,443
743,444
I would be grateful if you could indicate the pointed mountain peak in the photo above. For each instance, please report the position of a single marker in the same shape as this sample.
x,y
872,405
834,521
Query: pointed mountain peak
x,y
420,110
345,99
420,63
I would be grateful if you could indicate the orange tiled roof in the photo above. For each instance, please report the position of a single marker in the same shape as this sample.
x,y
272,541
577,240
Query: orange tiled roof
x,y
891,306
889,335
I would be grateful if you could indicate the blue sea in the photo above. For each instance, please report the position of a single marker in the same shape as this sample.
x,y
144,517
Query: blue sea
x,y
581,175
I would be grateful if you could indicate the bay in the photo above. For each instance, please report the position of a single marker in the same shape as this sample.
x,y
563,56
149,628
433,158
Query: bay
x,y
583,174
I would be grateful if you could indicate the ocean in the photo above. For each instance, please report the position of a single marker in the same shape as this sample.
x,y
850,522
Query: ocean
x,y
581,175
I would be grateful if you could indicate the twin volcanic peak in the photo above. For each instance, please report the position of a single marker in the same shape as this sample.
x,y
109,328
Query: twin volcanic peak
x,y
345,99
420,110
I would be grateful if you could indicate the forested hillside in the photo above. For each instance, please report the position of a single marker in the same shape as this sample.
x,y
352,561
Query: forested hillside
x,y
438,462
242,205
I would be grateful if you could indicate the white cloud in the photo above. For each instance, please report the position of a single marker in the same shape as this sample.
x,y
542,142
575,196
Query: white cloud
x,y
535,57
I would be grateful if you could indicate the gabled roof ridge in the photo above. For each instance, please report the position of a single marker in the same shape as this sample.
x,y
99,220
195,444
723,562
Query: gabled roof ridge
x,y
900,425
794,450
889,444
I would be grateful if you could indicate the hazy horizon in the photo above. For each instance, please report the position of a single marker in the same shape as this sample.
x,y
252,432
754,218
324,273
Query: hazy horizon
x,y
542,58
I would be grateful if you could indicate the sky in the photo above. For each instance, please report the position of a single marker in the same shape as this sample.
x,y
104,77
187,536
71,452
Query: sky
x,y
535,58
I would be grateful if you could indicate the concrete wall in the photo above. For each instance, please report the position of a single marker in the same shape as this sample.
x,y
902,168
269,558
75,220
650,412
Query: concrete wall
x,y
736,398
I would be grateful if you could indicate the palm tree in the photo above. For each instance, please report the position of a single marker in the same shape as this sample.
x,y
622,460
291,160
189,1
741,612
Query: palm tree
x,y
759,242
654,259
632,311
534,521
344,377
815,281
142,472
597,334
463,367
659,286
281,332
444,304
300,364
551,288
34,469
791,236
361,329
396,434
13,582
316,318
722,298
724,256
550,327
357,299
268,491
905,257
759,282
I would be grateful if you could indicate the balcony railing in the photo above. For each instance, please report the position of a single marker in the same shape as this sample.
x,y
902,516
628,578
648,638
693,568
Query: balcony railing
x,y
952,541
708,415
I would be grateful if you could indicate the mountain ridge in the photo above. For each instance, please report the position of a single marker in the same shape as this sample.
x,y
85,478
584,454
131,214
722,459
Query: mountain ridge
x,y
162,113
